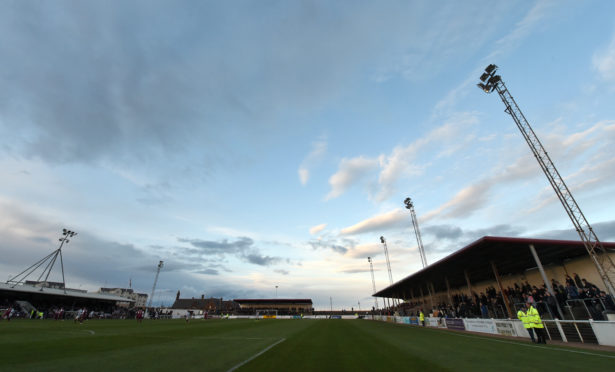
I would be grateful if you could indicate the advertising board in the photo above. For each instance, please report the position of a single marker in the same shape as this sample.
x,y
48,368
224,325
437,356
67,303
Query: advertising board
x,y
481,325
454,323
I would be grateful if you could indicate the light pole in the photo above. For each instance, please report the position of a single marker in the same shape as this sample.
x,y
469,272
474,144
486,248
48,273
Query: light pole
x,y
605,266
51,258
417,232
151,298
371,268
276,291
386,255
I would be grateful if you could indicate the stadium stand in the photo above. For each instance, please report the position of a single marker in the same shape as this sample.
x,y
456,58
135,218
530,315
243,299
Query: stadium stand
x,y
28,298
282,306
464,283
211,305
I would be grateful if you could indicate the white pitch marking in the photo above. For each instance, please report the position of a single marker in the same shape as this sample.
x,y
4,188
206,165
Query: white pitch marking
x,y
90,331
229,338
533,346
256,355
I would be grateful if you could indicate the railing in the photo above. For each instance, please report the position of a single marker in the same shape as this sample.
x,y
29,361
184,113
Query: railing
x,y
543,308
570,331
587,308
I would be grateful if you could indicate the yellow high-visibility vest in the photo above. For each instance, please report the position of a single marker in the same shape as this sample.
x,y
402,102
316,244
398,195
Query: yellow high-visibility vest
x,y
524,318
534,317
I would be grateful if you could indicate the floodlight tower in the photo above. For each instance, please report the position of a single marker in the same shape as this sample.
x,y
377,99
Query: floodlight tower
x,y
386,255
50,259
604,264
417,232
160,265
371,268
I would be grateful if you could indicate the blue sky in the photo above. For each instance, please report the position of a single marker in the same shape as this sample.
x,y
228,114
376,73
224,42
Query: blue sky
x,y
253,144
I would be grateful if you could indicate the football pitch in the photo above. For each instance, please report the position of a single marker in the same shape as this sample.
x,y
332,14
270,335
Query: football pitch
x,y
273,345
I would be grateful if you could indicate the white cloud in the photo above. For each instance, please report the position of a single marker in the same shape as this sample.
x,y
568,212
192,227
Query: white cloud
x,y
350,172
474,196
452,136
318,228
365,250
523,28
402,161
385,221
604,62
318,151
504,45
591,176
304,175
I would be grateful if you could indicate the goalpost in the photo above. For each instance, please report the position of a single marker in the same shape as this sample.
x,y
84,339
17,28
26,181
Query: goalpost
x,y
266,314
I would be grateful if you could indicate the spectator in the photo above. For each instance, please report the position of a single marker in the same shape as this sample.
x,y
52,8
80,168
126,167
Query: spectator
x,y
607,301
577,280
572,292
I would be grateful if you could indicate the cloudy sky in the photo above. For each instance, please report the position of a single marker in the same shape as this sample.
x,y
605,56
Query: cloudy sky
x,y
255,144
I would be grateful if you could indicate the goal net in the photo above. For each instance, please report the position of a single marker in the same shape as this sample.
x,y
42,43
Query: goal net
x,y
266,314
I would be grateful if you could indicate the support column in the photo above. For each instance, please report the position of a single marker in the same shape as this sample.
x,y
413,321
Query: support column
x,y
430,293
422,296
433,290
545,279
465,272
448,292
504,297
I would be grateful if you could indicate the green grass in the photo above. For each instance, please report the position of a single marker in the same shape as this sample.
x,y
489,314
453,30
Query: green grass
x,y
309,345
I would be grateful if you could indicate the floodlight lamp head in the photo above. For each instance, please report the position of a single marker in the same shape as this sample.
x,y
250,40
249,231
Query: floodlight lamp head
x,y
491,68
494,80
382,239
369,259
408,203
484,76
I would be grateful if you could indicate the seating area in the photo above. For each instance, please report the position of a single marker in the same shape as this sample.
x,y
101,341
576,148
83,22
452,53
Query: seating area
x,y
575,296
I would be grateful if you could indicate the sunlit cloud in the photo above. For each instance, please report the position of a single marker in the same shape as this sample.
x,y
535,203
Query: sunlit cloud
x,y
349,173
386,221
318,228
365,250
312,159
604,62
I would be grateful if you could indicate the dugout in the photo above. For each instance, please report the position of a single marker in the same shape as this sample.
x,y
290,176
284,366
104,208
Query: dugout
x,y
497,261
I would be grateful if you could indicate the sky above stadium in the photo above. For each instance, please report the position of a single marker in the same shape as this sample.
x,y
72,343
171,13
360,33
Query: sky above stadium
x,y
255,144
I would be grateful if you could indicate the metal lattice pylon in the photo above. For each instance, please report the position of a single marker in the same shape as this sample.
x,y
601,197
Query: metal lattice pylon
x,y
151,298
595,249
371,268
417,232
386,255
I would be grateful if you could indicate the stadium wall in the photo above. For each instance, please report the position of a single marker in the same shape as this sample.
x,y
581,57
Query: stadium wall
x,y
587,331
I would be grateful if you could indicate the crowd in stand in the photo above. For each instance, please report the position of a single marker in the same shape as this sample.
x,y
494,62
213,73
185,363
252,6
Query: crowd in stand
x,y
60,311
490,302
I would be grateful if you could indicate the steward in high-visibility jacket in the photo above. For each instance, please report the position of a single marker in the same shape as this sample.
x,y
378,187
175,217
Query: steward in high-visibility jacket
x,y
534,318
422,318
526,323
